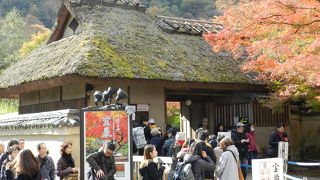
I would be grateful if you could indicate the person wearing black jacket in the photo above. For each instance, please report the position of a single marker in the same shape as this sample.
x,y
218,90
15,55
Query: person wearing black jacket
x,y
13,152
156,139
66,164
203,138
275,137
144,122
26,165
241,143
5,156
102,163
200,161
148,169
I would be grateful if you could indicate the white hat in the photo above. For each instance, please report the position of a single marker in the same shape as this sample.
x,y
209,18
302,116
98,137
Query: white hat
x,y
152,121
180,136
155,131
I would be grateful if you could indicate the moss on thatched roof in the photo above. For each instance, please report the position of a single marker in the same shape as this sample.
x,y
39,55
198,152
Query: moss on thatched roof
x,y
119,42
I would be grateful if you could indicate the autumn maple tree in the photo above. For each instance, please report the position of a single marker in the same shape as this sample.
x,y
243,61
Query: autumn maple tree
x,y
280,40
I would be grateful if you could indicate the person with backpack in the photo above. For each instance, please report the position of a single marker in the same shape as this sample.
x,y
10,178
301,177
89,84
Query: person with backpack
x,y
47,167
176,147
227,168
167,144
194,164
148,168
102,163
141,135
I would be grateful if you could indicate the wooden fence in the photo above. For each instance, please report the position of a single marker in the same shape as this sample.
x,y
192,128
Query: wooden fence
x,y
257,114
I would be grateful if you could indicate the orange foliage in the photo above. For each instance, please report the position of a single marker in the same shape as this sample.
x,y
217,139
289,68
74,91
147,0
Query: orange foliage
x,y
280,39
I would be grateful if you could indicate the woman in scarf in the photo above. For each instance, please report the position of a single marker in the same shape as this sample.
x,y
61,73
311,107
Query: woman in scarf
x,y
66,163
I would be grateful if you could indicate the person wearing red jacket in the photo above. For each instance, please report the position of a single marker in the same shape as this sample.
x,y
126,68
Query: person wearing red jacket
x,y
252,147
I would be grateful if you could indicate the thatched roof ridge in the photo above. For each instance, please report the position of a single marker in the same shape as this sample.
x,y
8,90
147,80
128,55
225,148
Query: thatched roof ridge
x,y
125,43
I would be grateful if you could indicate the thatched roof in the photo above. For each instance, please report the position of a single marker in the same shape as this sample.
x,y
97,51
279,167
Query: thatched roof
x,y
121,41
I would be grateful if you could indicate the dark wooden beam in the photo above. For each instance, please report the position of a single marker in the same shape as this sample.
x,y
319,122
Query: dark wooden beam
x,y
14,91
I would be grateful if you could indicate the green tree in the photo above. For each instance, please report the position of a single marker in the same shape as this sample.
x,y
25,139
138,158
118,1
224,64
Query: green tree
x,y
173,114
8,106
36,40
12,35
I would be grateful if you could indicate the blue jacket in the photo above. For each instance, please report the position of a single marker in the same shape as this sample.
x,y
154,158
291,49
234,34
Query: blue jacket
x,y
166,147
158,142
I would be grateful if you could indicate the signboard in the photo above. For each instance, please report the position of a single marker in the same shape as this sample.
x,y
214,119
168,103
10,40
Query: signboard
x,y
101,127
226,134
267,169
283,150
143,107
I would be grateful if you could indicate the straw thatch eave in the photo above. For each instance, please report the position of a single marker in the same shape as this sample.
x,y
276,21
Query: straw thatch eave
x,y
121,43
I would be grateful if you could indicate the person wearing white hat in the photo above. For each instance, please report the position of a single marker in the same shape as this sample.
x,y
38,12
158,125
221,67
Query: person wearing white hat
x,y
152,124
241,142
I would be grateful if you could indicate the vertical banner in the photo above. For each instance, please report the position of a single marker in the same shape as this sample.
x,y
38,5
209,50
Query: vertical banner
x,y
267,169
101,127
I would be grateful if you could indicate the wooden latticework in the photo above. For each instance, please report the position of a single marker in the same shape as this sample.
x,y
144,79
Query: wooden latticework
x,y
191,26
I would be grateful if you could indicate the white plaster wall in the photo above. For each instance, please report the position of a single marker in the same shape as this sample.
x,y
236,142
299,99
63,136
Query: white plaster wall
x,y
154,96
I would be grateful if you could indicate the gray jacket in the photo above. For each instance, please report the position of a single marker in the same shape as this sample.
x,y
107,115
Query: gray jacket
x,y
99,161
48,169
227,167
199,165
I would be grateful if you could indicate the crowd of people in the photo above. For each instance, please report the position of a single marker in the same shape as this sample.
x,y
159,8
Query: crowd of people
x,y
19,163
207,156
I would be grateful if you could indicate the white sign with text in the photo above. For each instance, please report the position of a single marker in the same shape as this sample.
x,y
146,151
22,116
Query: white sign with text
x,y
267,169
